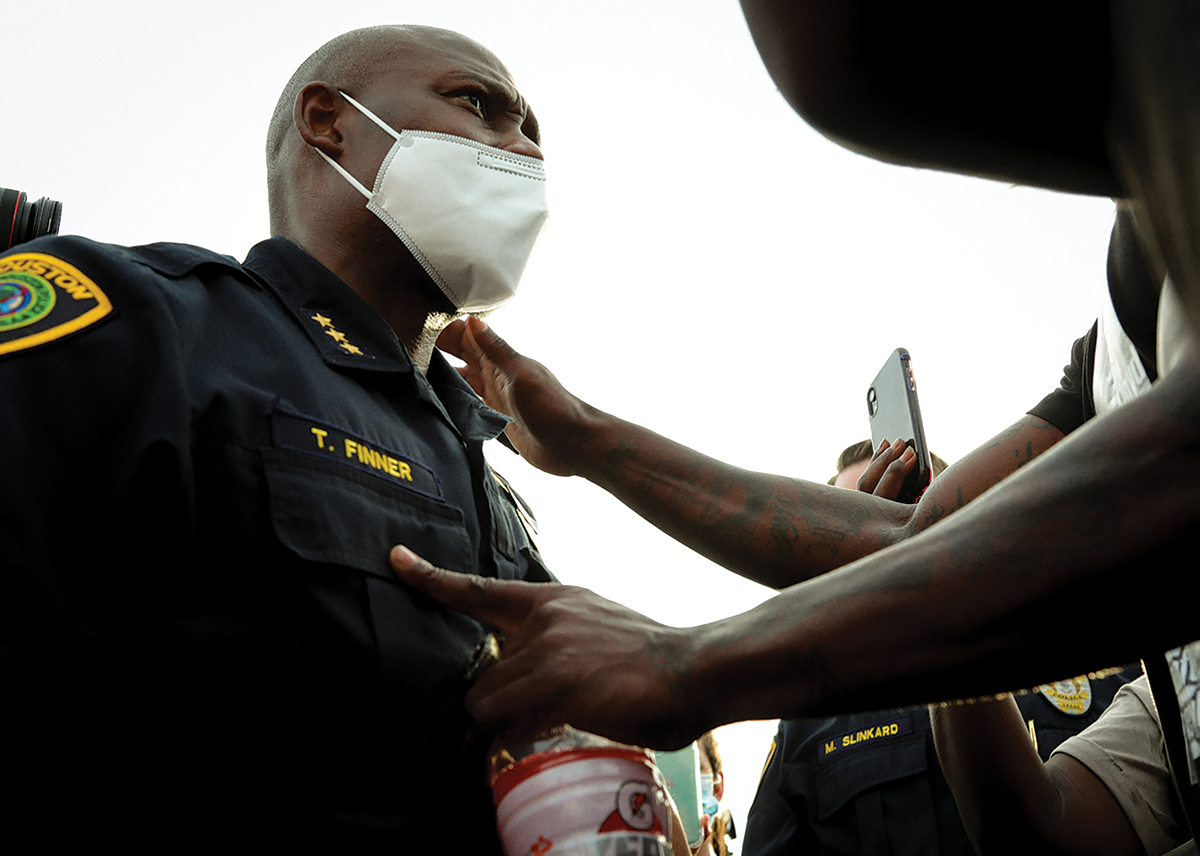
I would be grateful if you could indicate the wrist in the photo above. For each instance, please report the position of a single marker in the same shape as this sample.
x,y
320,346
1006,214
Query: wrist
x,y
598,445
752,672
724,663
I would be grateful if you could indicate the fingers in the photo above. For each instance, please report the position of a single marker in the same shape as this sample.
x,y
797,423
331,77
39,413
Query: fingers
x,y
487,343
456,341
892,480
471,340
487,356
451,339
887,454
580,658
508,696
502,604
531,685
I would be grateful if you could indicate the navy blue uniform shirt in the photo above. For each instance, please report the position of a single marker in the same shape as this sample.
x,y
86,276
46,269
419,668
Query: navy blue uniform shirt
x,y
871,783
200,636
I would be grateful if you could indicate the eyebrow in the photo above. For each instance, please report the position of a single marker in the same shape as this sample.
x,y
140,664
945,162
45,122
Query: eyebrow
x,y
504,88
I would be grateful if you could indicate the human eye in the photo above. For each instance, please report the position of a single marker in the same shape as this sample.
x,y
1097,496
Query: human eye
x,y
477,101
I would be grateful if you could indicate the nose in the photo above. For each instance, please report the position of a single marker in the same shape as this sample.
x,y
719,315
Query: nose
x,y
519,144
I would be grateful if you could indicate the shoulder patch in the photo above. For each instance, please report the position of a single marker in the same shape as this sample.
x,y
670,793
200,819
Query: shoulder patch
x,y
1073,697
43,298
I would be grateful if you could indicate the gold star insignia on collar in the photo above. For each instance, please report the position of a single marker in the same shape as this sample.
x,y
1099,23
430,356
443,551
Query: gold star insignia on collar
x,y
337,335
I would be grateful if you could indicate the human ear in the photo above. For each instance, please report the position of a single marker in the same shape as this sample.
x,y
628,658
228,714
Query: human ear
x,y
316,116
719,786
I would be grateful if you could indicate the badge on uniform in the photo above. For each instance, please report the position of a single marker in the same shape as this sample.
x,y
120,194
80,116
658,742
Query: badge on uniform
x,y
43,299
1073,697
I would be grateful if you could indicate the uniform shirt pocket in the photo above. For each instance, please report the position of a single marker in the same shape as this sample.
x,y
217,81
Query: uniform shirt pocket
x,y
869,768
332,514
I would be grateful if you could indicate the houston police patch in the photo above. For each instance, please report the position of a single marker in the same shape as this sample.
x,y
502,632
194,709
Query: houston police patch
x,y
42,299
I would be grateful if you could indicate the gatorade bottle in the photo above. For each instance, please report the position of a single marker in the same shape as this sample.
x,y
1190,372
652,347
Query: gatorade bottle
x,y
566,792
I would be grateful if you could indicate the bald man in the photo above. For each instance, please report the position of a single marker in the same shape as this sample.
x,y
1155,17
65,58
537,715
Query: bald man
x,y
201,640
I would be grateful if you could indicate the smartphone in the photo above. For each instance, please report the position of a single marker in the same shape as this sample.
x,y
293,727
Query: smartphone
x,y
681,770
895,413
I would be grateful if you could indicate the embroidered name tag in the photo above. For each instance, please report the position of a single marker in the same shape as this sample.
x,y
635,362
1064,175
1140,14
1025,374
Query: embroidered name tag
x,y
302,434
42,299
897,726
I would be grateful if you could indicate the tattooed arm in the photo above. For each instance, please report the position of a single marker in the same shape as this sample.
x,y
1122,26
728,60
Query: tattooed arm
x,y
1001,595
775,530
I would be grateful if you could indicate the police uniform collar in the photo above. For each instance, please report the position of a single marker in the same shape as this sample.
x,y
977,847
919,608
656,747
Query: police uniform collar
x,y
474,419
350,334
344,328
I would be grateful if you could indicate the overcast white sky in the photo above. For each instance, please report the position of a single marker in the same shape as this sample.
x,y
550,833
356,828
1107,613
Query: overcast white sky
x,y
713,268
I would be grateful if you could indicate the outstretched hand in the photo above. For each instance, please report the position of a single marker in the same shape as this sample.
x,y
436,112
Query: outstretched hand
x,y
569,656
546,418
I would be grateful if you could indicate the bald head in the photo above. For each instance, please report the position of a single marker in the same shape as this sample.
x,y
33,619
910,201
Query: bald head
x,y
352,62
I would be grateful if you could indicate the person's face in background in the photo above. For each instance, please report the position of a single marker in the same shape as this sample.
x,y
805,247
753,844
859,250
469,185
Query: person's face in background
x,y
848,477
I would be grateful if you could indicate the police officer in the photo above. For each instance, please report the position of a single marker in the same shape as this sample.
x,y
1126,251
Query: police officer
x,y
201,638
872,783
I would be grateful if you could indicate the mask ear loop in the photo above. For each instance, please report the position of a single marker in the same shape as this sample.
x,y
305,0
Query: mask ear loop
x,y
346,175
382,124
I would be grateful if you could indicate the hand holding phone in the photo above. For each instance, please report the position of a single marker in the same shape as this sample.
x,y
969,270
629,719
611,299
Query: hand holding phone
x,y
895,414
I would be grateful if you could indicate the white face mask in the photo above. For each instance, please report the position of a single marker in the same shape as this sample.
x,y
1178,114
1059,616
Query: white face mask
x,y
469,213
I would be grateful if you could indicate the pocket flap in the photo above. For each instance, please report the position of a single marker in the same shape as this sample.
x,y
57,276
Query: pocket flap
x,y
872,758
334,514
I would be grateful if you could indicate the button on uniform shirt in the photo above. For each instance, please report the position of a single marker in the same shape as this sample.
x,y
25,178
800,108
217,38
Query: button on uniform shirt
x,y
200,636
